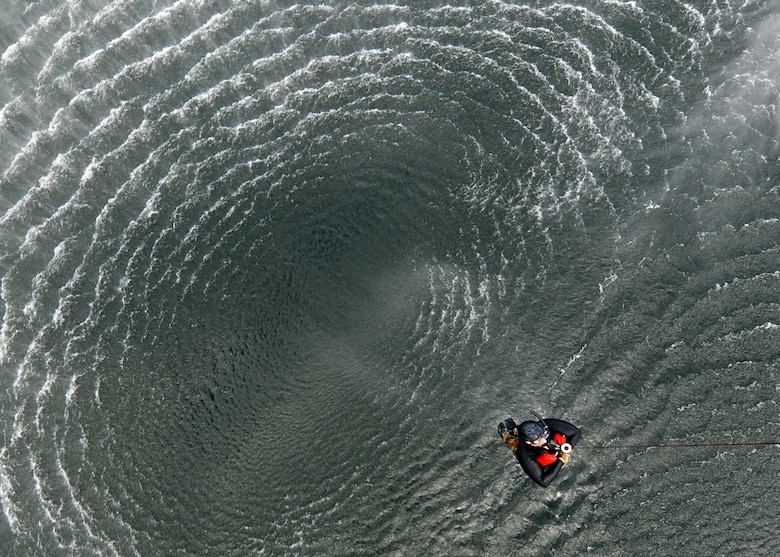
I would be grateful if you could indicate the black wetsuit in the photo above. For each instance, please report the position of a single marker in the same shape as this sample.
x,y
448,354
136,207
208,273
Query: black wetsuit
x,y
527,454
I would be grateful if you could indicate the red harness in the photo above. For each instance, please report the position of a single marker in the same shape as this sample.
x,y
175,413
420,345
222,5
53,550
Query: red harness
x,y
549,458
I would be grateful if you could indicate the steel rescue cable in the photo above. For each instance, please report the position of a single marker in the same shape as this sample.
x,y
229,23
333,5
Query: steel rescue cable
x,y
685,445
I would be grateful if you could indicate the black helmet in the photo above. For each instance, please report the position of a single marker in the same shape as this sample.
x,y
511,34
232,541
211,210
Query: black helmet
x,y
531,431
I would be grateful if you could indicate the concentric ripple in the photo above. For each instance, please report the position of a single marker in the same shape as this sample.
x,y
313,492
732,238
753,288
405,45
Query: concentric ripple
x,y
271,271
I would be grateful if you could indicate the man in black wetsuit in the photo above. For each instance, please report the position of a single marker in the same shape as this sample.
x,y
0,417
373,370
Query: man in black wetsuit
x,y
542,448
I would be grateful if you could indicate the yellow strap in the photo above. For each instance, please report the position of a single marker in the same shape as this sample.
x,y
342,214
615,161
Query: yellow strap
x,y
510,441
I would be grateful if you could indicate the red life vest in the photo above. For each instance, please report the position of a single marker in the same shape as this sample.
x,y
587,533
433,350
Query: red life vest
x,y
549,458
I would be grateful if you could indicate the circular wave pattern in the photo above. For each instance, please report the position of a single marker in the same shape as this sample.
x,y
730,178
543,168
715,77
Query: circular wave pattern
x,y
257,258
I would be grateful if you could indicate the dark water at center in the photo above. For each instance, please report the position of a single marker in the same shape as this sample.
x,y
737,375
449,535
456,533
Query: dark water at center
x,y
271,273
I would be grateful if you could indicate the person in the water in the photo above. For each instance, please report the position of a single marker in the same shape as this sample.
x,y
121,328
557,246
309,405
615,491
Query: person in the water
x,y
541,447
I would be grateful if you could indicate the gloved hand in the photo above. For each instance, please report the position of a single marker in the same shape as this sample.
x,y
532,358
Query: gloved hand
x,y
564,458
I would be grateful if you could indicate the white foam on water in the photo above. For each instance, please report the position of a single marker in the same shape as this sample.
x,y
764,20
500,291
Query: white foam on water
x,y
7,492
188,233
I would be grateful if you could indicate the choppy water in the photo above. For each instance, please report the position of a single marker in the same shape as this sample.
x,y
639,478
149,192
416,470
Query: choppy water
x,y
272,272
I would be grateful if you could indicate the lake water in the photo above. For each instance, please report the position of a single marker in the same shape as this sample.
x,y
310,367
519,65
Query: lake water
x,y
270,274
